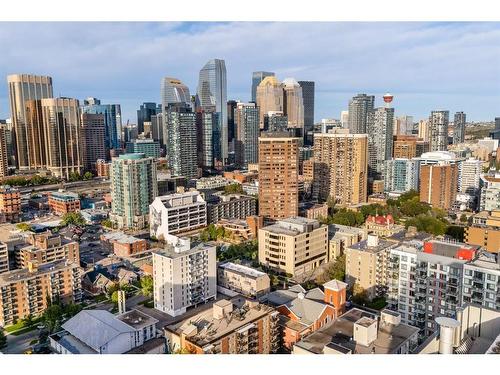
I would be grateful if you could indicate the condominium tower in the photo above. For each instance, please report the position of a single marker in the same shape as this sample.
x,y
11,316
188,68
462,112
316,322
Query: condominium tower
x,y
246,117
133,189
379,126
359,107
278,175
459,127
308,100
112,120
340,168
438,129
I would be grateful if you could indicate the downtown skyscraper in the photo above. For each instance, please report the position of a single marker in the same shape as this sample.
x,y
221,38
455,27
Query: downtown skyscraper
x,y
246,118
144,114
172,91
359,107
438,129
28,138
269,98
112,120
308,102
257,78
293,103
212,92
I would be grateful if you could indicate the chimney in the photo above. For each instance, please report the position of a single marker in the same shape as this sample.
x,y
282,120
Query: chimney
x,y
372,240
121,302
448,333
365,331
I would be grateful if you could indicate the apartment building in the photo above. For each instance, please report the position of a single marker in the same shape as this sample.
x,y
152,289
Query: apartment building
x,y
366,265
24,292
342,236
45,248
213,182
10,204
484,231
63,202
341,167
243,280
184,275
361,332
230,206
429,279
295,245
236,326
124,245
404,146
177,213
278,175
481,281
490,192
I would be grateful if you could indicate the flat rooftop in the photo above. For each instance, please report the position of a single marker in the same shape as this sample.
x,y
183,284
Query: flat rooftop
x,y
363,246
339,333
137,319
486,260
242,270
120,237
169,250
21,274
210,329
293,226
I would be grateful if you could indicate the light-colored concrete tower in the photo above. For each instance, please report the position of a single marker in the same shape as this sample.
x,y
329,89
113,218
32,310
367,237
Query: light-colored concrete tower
x,y
359,107
133,189
379,126
278,175
29,139
341,167
246,116
269,97
62,127
438,130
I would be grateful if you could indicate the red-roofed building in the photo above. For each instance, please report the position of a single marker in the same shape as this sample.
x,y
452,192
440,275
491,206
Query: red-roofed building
x,y
382,226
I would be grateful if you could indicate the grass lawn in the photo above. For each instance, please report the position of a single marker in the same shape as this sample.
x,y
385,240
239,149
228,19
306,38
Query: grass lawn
x,y
24,330
20,325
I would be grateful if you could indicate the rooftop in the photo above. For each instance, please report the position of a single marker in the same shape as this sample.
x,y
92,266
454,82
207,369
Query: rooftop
x,y
486,260
169,250
203,329
340,333
243,270
120,237
380,245
293,226
21,274
137,319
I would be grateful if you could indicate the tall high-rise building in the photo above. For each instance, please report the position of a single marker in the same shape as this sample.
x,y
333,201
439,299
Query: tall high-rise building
x,y
231,129
438,130
157,126
93,136
208,132
459,127
144,113
359,107
379,126
133,189
37,157
212,91
149,147
404,146
278,175
64,138
269,97
308,100
4,170
112,120
403,125
470,176
439,172
401,175
28,138
275,121
293,103
257,78
246,117
173,91
341,167
181,140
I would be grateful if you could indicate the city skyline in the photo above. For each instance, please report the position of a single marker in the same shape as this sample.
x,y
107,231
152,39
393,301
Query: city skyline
x,y
460,76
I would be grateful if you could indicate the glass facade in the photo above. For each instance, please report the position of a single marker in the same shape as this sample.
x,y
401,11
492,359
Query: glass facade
x,y
112,120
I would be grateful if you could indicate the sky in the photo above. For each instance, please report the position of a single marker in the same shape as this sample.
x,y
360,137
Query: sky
x,y
426,66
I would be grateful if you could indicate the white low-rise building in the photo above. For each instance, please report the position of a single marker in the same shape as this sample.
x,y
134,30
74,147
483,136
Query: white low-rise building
x,y
177,213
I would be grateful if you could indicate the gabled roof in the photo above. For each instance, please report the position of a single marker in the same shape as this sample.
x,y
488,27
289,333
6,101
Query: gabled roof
x,y
336,285
96,328
315,294
307,310
297,288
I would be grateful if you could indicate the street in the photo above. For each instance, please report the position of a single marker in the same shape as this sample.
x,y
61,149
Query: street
x,y
19,344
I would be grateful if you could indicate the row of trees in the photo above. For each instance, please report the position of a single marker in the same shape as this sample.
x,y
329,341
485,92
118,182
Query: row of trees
x,y
246,251
38,180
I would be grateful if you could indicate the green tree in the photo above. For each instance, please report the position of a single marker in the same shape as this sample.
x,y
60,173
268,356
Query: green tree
x,y
23,226
147,285
428,223
88,176
74,176
71,309
107,223
53,317
233,189
359,294
336,271
74,218
463,218
28,320
457,232
3,340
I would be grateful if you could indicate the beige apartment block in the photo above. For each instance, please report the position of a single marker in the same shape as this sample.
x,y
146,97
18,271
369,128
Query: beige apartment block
x,y
367,265
294,246
244,280
340,169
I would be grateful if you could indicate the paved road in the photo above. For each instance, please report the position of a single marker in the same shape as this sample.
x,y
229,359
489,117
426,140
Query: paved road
x,y
18,344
